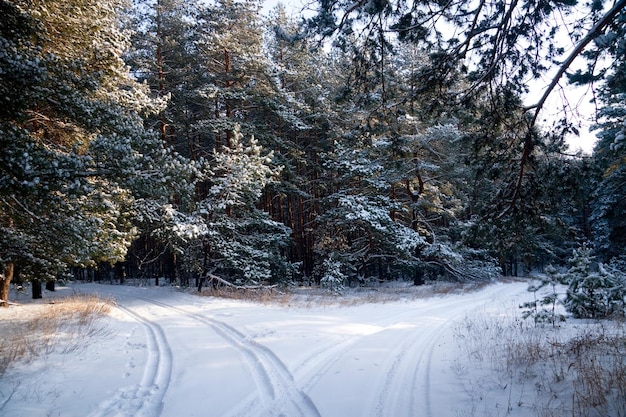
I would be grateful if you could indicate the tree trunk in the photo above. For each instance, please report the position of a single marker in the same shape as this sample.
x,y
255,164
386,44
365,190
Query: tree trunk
x,y
36,286
50,285
200,283
5,283
160,73
418,278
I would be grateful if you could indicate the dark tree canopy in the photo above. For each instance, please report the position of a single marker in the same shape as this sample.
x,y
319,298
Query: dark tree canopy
x,y
372,140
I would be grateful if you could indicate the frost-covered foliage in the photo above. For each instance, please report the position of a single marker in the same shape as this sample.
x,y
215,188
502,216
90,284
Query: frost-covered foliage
x,y
243,241
608,216
140,162
332,277
543,308
225,233
76,157
431,182
609,212
356,228
372,214
594,293
359,230
55,212
398,207
241,174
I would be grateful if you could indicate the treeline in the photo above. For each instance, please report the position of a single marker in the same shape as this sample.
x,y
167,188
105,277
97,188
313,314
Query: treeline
x,y
188,140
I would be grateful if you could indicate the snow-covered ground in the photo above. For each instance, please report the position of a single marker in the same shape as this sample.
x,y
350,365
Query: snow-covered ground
x,y
172,354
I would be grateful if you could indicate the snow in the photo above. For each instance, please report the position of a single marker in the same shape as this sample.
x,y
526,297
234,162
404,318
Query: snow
x,y
170,353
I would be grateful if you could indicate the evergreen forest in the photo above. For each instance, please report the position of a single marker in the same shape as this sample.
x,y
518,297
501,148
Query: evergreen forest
x,y
336,143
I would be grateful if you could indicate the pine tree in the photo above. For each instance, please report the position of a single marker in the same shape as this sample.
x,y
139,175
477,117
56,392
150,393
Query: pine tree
x,y
226,237
165,53
75,154
332,276
299,131
609,205
537,308
479,71
593,293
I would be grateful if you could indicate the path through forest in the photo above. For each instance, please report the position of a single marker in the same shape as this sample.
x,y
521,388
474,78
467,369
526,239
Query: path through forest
x,y
175,354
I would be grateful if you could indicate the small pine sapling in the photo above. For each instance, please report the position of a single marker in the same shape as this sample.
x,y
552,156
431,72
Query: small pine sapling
x,y
590,293
543,309
333,278
615,290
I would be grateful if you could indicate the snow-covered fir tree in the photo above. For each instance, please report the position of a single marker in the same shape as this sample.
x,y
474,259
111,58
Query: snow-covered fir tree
x,y
75,154
547,298
594,290
226,235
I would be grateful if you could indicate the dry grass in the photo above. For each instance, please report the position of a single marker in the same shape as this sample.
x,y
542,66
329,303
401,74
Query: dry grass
x,y
577,370
38,329
313,296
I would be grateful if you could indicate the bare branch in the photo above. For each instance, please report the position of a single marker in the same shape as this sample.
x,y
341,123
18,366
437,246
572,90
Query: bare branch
x,y
212,277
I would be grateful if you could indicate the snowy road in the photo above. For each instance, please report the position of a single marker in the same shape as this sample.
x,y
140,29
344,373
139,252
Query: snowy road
x,y
174,355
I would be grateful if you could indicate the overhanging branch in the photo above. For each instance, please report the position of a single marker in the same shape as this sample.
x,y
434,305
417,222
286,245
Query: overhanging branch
x,y
580,47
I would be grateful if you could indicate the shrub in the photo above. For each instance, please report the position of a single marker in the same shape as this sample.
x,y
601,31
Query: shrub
x,y
544,309
593,293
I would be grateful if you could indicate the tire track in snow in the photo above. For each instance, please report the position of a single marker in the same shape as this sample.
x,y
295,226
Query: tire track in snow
x,y
408,378
146,398
312,369
418,351
398,371
324,357
487,297
279,394
408,368
397,379
407,371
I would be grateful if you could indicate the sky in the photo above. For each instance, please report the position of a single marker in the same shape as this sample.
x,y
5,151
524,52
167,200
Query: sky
x,y
293,5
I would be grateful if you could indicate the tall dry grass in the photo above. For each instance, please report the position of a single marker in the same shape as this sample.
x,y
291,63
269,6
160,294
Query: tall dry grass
x,y
65,326
576,370
314,296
